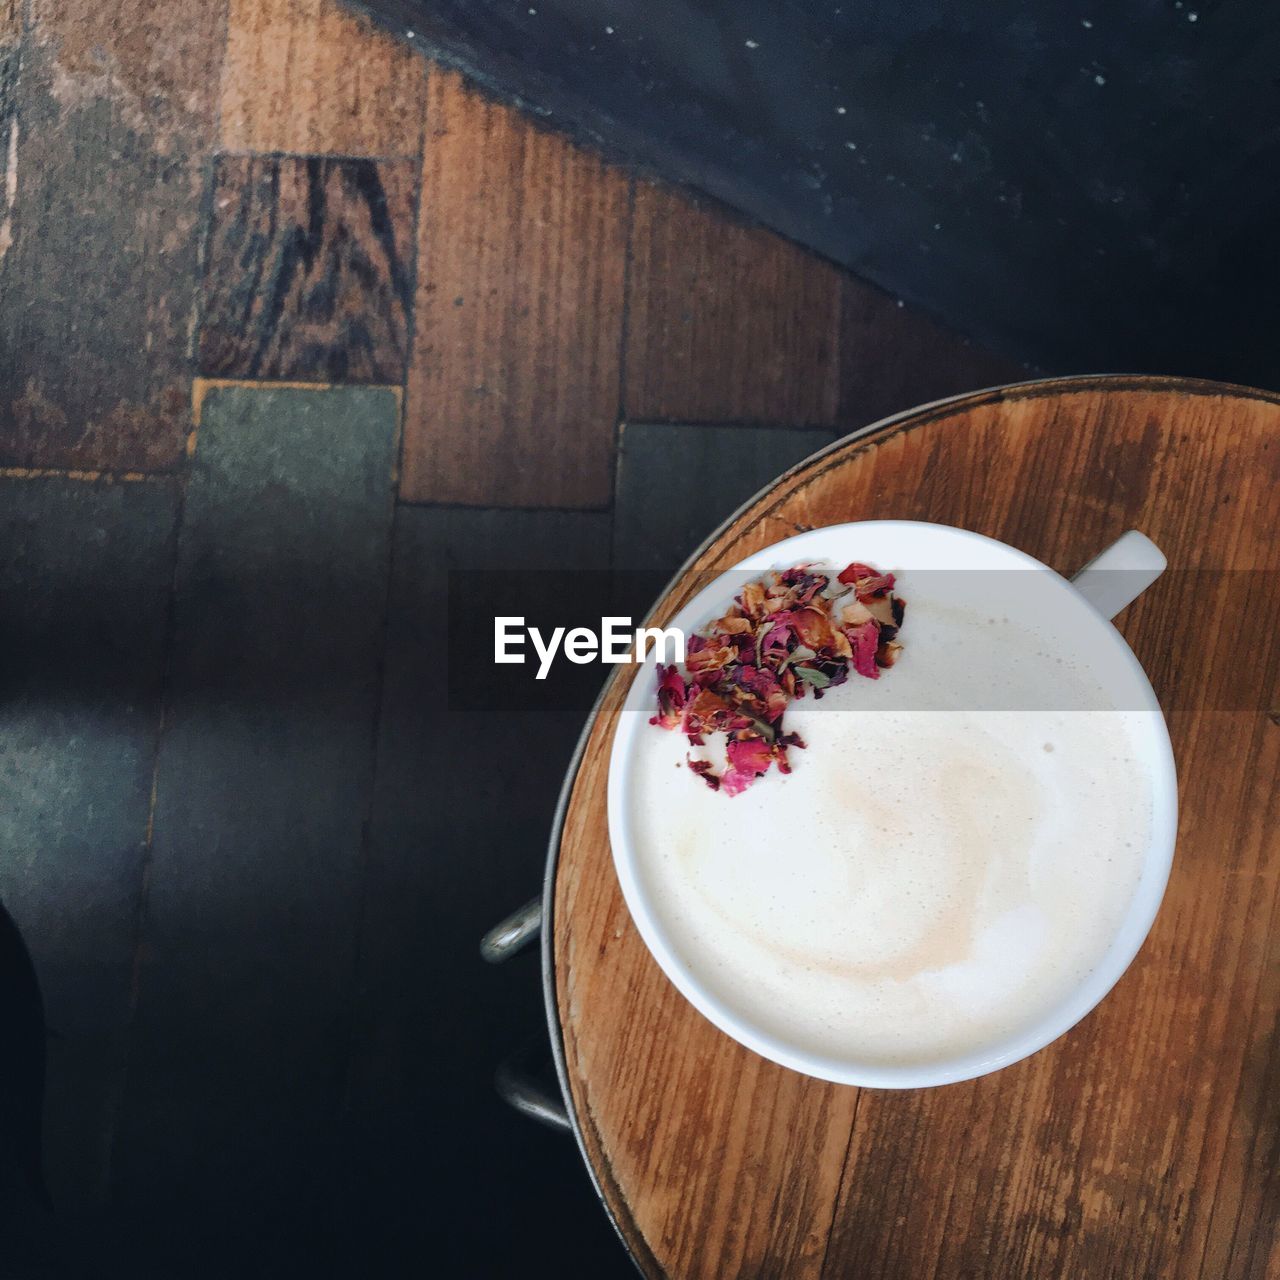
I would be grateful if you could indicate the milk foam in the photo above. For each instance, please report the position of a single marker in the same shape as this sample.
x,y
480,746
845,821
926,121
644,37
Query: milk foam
x,y
933,876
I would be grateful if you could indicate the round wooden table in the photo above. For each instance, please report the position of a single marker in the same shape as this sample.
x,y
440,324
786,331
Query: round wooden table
x,y
1146,1142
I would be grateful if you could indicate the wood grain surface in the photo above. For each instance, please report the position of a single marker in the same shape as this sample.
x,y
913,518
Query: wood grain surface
x,y
245,945
513,294
726,322
10,58
513,389
894,356
676,481
10,61
115,115
308,271
312,76
85,575
1144,1142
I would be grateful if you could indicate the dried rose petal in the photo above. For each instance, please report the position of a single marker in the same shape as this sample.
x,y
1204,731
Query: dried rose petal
x,y
672,693
854,614
752,600
813,626
867,582
865,639
791,634
706,771
764,686
708,712
881,609
804,584
733,623
887,653
748,759
704,658
780,750
775,641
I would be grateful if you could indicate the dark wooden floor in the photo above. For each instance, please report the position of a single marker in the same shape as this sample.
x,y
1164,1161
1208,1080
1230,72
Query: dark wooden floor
x,y
292,322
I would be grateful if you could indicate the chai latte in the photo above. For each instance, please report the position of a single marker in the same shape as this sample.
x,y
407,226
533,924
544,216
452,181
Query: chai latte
x,y
946,861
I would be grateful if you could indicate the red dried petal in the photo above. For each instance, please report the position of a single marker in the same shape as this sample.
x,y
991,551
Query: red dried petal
x,y
705,770
813,627
780,641
887,653
672,694
780,750
733,624
708,712
704,658
864,640
751,601
766,689
776,639
804,583
866,581
733,783
748,759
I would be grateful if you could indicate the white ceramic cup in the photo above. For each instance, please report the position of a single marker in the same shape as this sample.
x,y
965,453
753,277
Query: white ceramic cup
x,y
1086,603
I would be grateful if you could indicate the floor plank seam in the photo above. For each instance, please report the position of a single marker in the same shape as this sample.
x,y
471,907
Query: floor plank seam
x,y
366,833
844,1169
90,477
624,334
742,424
204,242
249,153
411,311
116,1097
432,505
201,386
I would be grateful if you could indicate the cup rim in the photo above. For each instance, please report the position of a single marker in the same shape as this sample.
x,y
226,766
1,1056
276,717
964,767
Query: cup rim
x,y
1131,933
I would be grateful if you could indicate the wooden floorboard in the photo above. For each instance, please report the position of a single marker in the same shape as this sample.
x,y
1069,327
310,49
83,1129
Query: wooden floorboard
x,y
726,322
85,572
308,269
463,807
116,111
513,388
10,62
262,793
313,76
677,483
894,357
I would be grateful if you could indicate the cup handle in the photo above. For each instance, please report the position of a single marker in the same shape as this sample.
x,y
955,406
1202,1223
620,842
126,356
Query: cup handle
x,y
1117,576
